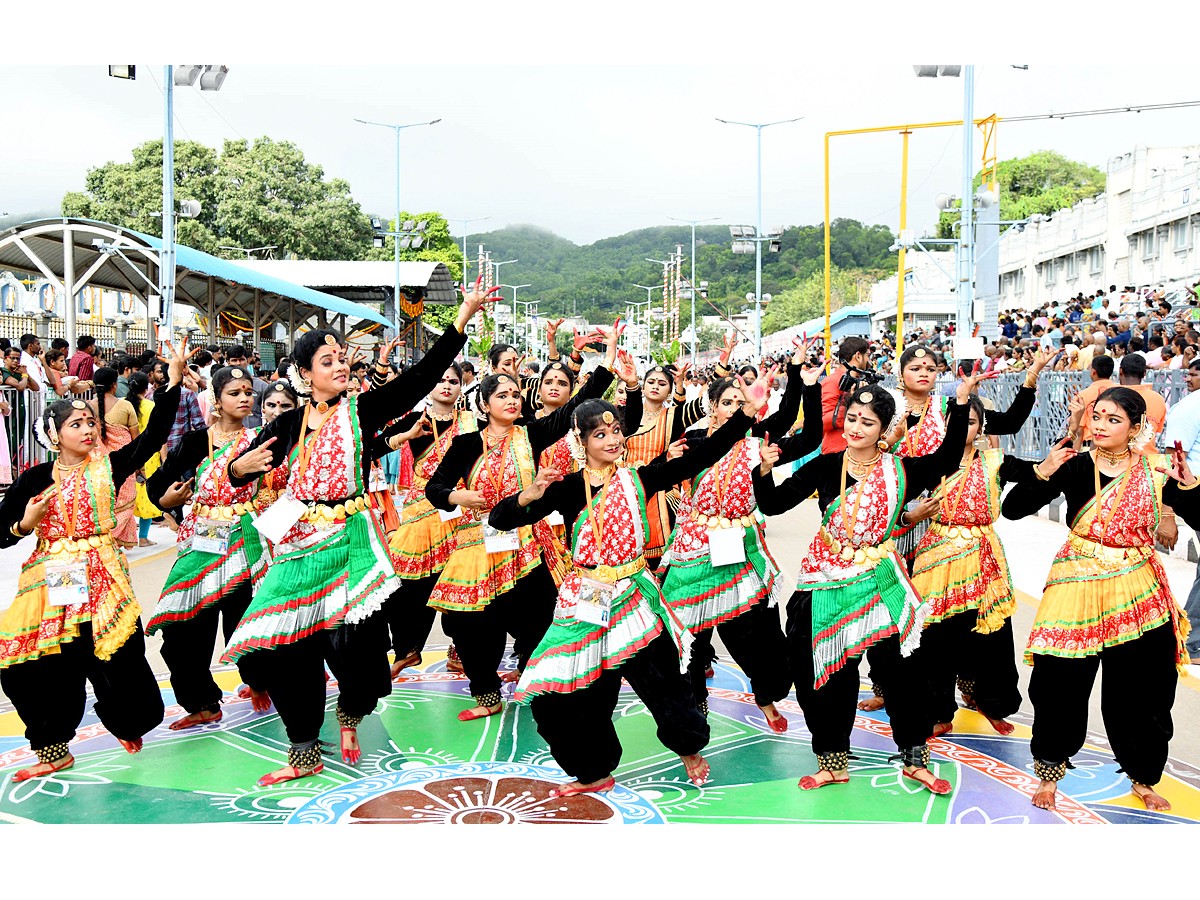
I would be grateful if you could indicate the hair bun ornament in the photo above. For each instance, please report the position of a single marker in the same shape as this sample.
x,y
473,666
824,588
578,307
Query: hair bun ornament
x,y
575,446
237,373
297,383
331,340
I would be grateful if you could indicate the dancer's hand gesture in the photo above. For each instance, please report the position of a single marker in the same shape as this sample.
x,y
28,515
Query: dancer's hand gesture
x,y
473,300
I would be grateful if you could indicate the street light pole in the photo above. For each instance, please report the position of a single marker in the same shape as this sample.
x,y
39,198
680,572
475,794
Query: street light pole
x,y
496,280
646,316
166,258
758,127
396,231
465,223
515,288
966,257
692,286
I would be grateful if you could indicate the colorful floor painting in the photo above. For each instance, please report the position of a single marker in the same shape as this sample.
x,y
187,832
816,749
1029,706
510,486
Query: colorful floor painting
x,y
421,765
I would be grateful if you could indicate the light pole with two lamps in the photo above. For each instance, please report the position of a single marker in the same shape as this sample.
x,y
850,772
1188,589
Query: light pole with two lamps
x,y
465,223
397,234
758,237
692,283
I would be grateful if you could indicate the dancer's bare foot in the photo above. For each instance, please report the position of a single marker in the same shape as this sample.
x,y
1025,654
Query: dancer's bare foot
x,y
1043,798
134,746
1150,797
697,768
289,773
413,659
509,677
260,701
871,704
146,542
41,770
941,728
1002,726
822,777
922,775
479,712
578,787
775,719
351,751
191,720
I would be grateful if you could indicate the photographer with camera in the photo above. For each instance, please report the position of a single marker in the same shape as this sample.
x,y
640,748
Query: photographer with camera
x,y
854,358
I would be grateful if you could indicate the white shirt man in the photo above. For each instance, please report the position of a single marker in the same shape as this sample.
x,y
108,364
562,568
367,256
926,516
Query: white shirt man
x,y
33,365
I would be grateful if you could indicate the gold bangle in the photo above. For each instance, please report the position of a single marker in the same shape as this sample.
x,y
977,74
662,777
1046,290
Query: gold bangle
x,y
1030,380
15,530
1189,487
1038,472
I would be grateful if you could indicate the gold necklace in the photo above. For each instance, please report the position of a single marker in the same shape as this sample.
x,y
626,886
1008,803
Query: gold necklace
x,y
857,467
59,464
599,474
322,407
1114,459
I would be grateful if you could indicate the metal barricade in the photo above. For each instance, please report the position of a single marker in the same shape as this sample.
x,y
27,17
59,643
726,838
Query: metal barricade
x,y
1047,423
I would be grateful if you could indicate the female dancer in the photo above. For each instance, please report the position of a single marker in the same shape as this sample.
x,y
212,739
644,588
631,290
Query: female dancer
x,y
145,511
854,588
75,618
278,399
1107,600
494,584
715,580
221,556
422,545
919,430
962,574
331,570
611,620
653,426
118,426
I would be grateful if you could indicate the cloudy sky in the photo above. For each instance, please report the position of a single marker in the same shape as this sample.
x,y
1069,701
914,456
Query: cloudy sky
x,y
589,150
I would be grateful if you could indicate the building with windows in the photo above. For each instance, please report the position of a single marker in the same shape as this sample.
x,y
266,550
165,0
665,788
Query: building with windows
x,y
1139,233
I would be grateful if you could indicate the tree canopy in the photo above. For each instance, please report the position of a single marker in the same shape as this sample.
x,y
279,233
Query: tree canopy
x,y
251,195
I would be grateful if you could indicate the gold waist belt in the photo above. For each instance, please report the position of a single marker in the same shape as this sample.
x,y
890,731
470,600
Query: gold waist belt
x,y
723,521
613,574
74,545
960,531
857,555
223,513
319,514
1113,556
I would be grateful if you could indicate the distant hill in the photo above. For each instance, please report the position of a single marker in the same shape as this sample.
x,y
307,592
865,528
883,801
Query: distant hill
x,y
598,278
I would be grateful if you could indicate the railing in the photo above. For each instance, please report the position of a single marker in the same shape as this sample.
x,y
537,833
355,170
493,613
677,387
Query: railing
x,y
20,450
1048,421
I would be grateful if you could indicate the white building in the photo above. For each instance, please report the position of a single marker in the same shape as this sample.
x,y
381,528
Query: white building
x,y
1140,232
929,298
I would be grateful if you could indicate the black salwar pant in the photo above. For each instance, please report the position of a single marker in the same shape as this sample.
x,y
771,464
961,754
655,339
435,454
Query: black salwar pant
x,y
578,727
952,650
188,649
829,711
409,615
50,692
1136,696
525,612
294,674
757,644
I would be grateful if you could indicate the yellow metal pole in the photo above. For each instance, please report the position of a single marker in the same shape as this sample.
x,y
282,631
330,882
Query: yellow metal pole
x,y
900,261
828,238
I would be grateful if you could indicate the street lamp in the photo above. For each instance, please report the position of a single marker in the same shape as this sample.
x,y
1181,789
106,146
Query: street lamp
x,y
250,251
757,238
692,283
646,317
963,325
396,235
211,78
515,288
465,223
496,280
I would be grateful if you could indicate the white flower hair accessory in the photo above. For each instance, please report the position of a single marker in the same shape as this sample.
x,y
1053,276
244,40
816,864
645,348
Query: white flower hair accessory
x,y
39,432
297,383
575,445
1144,438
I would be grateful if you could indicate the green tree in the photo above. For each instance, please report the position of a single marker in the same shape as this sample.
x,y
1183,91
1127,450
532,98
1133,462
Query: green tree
x,y
709,337
251,195
1043,182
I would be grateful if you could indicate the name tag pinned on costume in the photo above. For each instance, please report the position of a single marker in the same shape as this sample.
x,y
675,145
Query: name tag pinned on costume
x,y
212,536
279,518
497,541
67,582
595,602
726,546
376,481
451,515
555,518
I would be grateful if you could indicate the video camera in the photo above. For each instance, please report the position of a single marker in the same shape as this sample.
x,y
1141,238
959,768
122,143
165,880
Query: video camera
x,y
856,377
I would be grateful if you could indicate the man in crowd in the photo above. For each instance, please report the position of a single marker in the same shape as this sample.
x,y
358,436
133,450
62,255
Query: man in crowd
x,y
124,366
854,357
1184,428
82,363
31,359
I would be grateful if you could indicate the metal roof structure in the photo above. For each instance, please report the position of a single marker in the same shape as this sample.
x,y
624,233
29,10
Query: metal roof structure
x,y
67,252
369,281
